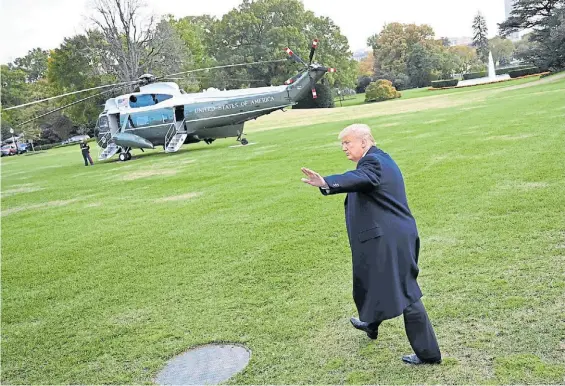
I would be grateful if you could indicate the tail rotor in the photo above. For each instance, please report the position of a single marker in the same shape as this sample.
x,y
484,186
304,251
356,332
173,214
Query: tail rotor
x,y
310,66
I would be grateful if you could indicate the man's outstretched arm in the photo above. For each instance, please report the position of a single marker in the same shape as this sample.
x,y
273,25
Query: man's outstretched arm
x,y
365,178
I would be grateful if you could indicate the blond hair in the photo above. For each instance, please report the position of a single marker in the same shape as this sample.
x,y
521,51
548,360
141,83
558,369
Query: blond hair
x,y
359,130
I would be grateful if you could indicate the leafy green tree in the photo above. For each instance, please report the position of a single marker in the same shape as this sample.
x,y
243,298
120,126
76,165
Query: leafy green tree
x,y
392,48
76,65
171,54
34,64
467,59
502,50
480,37
546,42
260,30
197,35
420,64
14,87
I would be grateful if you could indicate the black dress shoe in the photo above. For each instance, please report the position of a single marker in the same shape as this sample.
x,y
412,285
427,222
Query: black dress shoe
x,y
364,326
413,359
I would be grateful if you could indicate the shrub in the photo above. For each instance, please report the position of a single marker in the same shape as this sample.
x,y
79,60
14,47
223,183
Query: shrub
x,y
381,90
524,72
475,75
502,71
324,99
362,83
445,83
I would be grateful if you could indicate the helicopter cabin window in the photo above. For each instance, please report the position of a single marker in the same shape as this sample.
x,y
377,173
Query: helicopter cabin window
x,y
103,124
144,100
148,118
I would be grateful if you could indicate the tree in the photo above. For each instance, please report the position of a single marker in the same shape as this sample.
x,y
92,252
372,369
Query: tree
x,y
467,59
362,83
18,118
392,48
260,30
197,35
14,92
419,65
365,66
447,62
502,50
480,39
128,38
172,55
14,87
546,18
34,64
76,65
524,47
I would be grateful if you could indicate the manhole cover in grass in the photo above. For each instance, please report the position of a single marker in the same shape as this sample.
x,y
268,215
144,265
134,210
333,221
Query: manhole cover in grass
x,y
205,365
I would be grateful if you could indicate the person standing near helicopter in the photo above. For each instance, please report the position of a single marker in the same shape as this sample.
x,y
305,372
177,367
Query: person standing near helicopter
x,y
86,153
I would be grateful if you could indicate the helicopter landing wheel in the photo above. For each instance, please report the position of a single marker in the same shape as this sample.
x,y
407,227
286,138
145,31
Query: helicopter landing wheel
x,y
128,156
123,157
244,141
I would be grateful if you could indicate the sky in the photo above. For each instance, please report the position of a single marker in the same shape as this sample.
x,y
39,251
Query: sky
x,y
26,24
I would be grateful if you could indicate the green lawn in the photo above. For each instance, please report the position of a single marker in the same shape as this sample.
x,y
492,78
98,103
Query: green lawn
x,y
109,271
425,91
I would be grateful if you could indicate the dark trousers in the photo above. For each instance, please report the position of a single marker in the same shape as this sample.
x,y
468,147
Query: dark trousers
x,y
420,332
87,158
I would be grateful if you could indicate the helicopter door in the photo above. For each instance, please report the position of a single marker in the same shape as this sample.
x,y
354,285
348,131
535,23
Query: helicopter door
x,y
179,118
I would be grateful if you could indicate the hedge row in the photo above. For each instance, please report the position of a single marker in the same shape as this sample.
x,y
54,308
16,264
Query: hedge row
x,y
502,71
445,83
524,72
475,75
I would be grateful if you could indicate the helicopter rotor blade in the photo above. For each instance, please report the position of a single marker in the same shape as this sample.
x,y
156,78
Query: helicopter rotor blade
x,y
70,104
201,77
295,57
71,93
312,50
223,66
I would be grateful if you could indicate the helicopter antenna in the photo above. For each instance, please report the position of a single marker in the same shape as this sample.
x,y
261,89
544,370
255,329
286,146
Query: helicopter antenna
x,y
72,93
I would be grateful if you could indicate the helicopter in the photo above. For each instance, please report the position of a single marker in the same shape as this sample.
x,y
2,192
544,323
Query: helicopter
x,y
162,114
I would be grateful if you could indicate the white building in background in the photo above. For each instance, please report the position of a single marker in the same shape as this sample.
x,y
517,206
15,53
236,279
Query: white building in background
x,y
508,6
361,54
461,41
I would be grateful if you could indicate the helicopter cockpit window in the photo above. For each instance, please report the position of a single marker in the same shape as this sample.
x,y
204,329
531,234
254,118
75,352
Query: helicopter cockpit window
x,y
147,99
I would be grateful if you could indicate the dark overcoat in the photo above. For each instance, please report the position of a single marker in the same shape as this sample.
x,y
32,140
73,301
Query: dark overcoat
x,y
382,235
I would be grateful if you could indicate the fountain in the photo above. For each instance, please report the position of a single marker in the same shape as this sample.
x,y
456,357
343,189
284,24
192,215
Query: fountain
x,y
492,77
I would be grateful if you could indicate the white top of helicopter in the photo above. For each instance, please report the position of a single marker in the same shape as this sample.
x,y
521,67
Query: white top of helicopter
x,y
121,103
